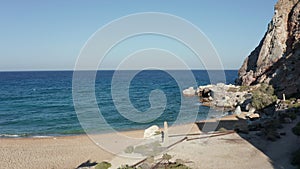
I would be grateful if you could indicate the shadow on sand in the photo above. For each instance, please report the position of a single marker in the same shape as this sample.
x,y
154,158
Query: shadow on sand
x,y
279,150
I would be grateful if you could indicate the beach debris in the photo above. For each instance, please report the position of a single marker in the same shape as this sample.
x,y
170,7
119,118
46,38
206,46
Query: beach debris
x,y
151,131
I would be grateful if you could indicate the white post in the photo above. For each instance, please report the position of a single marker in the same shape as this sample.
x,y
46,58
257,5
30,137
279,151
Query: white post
x,y
166,141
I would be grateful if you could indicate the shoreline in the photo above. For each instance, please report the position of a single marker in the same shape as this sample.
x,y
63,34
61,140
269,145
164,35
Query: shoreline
x,y
17,136
54,152
63,151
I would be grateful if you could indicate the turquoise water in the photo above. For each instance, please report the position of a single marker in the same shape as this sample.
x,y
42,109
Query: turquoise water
x,y
41,103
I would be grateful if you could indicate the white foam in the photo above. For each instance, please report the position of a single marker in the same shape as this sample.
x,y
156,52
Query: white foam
x,y
41,136
9,135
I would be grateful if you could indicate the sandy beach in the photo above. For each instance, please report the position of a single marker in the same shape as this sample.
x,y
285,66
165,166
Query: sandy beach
x,y
228,151
54,152
63,152
46,153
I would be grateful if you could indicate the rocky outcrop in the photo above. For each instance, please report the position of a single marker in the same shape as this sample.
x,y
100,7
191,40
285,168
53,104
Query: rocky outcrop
x,y
276,60
222,96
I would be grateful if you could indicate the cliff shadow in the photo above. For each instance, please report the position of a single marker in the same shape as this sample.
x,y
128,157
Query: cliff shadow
x,y
273,137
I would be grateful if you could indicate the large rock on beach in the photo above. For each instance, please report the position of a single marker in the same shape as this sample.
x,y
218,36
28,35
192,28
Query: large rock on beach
x,y
151,131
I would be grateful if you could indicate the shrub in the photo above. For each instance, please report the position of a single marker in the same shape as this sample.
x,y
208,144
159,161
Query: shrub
x,y
244,88
296,105
126,167
263,96
222,129
103,165
232,89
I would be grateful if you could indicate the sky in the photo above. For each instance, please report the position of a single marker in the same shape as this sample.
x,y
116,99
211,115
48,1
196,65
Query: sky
x,y
49,35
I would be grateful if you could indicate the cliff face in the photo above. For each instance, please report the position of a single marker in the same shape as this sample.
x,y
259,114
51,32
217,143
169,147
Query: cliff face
x,y
276,60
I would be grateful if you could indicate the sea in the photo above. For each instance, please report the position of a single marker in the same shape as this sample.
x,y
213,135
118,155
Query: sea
x,y
41,103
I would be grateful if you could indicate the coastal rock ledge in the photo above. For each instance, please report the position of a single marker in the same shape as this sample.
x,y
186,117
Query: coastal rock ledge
x,y
276,60
221,96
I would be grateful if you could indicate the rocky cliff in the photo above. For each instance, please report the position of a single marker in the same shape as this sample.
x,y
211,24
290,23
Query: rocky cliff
x,y
276,60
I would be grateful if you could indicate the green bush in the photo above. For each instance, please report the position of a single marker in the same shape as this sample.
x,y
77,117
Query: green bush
x,y
103,165
233,89
296,105
263,96
244,88
222,129
126,167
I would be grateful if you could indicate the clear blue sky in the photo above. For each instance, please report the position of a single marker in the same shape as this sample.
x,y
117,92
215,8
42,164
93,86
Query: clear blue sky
x,y
48,35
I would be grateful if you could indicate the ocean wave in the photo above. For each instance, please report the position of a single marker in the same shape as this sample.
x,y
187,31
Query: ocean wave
x,y
10,135
42,136
23,135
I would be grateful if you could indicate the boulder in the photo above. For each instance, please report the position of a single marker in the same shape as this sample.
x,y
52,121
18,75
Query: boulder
x,y
254,116
189,92
151,131
238,110
252,110
245,106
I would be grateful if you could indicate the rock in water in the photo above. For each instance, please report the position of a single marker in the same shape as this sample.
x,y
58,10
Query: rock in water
x,y
276,59
151,131
189,92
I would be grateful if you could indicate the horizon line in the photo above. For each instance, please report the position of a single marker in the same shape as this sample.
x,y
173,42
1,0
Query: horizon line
x,y
70,70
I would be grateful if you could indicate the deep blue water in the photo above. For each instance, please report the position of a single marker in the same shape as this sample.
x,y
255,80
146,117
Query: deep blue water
x,y
41,103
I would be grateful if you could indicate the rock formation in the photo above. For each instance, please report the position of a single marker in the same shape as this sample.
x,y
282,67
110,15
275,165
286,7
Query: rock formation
x,y
151,131
276,60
